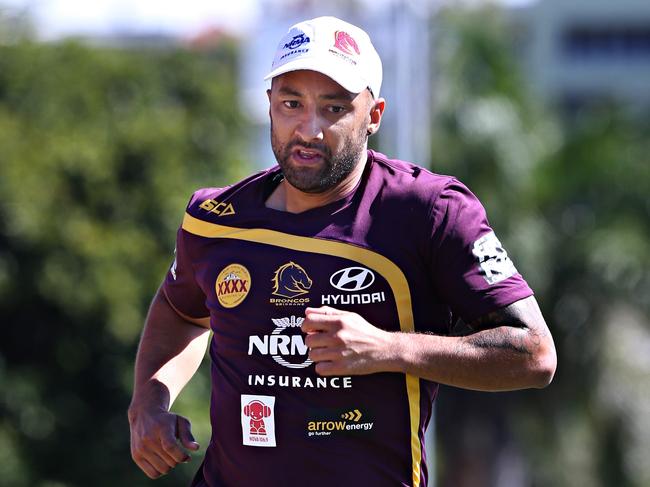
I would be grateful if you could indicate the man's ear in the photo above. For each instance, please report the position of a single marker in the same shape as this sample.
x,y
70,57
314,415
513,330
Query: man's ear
x,y
268,93
376,112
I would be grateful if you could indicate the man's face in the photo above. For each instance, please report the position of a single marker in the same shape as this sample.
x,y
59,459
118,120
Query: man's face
x,y
318,129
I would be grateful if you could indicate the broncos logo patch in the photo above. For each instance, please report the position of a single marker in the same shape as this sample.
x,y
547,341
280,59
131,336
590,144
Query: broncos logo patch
x,y
291,280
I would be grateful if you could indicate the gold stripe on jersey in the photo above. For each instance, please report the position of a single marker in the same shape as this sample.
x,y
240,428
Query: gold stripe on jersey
x,y
388,269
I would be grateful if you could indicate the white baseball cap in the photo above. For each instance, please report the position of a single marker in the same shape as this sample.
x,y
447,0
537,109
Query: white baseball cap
x,y
334,48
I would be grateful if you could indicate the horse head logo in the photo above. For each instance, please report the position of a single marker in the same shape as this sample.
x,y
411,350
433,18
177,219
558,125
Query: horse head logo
x,y
291,280
345,43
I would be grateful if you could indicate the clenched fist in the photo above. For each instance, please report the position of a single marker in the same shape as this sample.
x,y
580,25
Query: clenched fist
x,y
344,343
159,440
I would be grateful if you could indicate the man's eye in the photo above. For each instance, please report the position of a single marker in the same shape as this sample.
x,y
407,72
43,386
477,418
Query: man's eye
x,y
290,103
336,109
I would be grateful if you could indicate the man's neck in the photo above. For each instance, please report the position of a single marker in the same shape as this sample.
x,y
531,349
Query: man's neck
x,y
290,199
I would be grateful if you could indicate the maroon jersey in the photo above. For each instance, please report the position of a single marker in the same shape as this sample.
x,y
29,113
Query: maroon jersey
x,y
408,250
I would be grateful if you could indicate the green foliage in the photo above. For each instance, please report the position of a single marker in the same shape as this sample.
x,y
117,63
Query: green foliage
x,y
569,199
100,150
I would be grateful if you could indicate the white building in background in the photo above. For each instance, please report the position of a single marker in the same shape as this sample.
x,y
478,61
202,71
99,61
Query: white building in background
x,y
581,51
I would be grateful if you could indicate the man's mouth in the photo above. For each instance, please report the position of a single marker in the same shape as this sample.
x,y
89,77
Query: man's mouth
x,y
307,155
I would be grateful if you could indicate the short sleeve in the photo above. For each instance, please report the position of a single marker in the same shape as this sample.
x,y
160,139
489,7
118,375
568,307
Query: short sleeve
x,y
180,286
472,270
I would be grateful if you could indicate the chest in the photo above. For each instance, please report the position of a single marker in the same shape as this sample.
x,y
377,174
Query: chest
x,y
251,286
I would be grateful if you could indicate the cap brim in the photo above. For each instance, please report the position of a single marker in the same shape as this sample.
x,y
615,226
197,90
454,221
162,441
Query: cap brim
x,y
347,78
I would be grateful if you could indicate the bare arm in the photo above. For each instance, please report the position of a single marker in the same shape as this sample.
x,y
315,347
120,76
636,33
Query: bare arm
x,y
508,349
171,349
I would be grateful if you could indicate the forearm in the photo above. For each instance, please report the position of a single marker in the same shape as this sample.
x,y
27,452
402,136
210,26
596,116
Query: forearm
x,y
170,351
497,359
510,348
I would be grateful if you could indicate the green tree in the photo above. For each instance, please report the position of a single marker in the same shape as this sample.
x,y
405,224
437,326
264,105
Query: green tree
x,y
568,197
100,150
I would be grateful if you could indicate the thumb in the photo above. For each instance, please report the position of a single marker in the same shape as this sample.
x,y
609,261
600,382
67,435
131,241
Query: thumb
x,y
184,433
324,310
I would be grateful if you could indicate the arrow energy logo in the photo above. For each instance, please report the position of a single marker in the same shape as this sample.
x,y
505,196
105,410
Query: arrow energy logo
x,y
349,423
352,415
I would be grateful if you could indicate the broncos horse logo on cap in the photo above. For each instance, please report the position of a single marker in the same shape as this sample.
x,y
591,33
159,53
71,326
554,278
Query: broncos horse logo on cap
x,y
291,280
345,42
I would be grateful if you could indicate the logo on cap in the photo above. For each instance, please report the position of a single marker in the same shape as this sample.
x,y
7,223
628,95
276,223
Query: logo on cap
x,y
345,43
297,41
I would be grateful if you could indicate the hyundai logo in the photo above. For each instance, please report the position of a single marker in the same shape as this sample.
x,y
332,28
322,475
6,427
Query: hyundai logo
x,y
352,279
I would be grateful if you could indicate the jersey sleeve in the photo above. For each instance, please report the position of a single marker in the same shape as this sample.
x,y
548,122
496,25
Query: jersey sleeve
x,y
180,285
472,270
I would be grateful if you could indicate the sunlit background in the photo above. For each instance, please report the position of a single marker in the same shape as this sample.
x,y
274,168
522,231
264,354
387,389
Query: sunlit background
x,y
113,112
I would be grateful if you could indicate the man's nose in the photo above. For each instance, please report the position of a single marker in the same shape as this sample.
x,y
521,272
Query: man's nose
x,y
310,127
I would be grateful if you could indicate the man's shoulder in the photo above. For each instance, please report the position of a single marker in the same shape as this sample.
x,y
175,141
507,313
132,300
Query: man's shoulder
x,y
221,200
406,179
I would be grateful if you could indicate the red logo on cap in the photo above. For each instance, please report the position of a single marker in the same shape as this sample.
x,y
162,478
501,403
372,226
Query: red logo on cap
x,y
345,43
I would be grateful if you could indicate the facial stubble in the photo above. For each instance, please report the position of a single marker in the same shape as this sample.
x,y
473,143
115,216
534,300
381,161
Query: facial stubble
x,y
334,168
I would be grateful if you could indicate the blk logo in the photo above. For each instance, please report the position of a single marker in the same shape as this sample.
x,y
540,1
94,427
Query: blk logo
x,y
172,270
352,279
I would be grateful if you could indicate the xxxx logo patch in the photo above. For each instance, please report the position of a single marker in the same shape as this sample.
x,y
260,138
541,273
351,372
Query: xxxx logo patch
x,y
233,285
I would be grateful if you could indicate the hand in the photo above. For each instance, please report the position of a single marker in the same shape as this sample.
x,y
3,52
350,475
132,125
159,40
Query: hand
x,y
343,343
155,438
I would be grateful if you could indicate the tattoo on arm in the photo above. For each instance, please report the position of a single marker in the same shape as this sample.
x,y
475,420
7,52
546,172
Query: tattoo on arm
x,y
506,338
508,316
518,327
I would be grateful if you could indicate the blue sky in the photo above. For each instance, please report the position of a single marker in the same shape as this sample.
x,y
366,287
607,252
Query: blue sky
x,y
54,18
